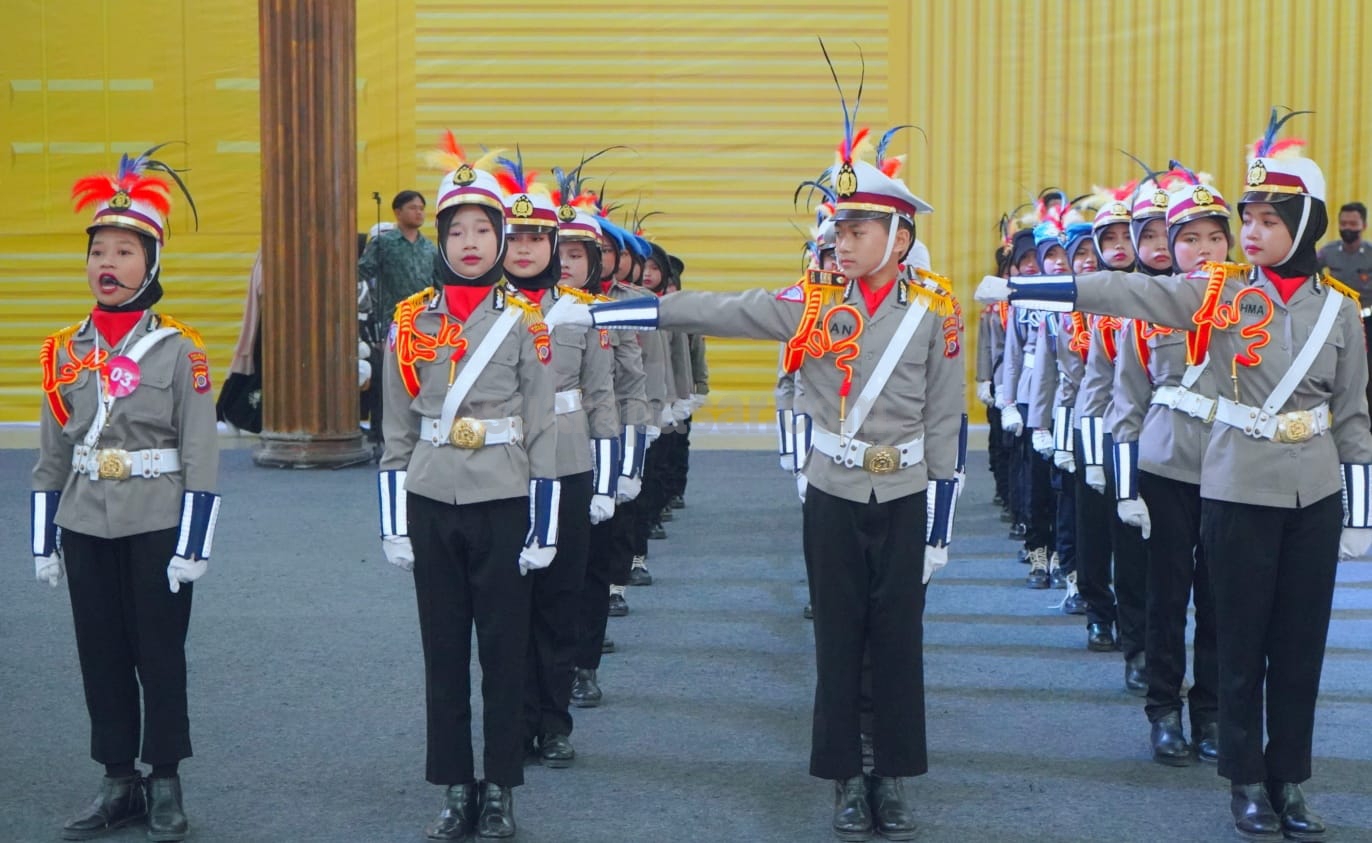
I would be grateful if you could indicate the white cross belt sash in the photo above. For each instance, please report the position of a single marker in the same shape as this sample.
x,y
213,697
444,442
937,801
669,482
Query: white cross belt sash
x,y
102,412
885,366
465,379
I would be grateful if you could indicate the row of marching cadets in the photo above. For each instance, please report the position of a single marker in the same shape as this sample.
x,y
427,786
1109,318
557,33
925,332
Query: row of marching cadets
x,y
517,481
877,350
1239,429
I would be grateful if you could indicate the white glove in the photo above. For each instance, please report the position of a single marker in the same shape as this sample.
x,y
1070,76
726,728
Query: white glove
x,y
574,313
49,569
180,569
364,373
682,409
1011,421
602,508
652,433
1065,460
627,488
1042,440
398,551
1095,478
984,393
535,558
1353,542
960,478
697,401
668,418
788,462
801,485
992,289
1134,512
934,559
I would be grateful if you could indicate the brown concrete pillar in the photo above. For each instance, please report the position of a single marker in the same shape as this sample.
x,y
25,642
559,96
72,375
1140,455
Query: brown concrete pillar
x,y
309,215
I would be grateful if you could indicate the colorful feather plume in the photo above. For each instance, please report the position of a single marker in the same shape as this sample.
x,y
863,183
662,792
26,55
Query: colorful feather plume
x,y
851,137
133,180
1268,146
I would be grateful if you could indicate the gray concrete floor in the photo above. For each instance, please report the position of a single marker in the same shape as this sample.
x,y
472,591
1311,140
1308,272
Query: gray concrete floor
x,y
306,689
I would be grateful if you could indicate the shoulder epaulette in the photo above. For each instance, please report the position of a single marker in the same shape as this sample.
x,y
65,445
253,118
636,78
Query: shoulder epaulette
x,y
55,374
413,304
532,312
186,330
935,290
1335,284
580,295
61,336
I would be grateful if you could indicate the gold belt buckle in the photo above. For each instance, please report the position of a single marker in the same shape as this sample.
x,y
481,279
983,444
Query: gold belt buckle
x,y
881,459
467,433
1295,427
114,464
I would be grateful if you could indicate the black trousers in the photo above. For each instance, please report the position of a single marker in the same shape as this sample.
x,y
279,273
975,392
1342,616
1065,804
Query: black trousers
x,y
466,571
1094,512
677,460
607,563
555,606
1017,473
130,635
1273,572
1040,499
1176,568
653,497
997,453
1131,568
1065,518
866,563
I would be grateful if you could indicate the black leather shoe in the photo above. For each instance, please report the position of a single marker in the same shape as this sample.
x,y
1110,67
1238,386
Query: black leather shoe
x,y
585,691
639,573
656,533
869,751
1207,738
665,515
893,818
1254,818
1018,530
1136,676
677,502
556,751
166,816
852,814
496,820
457,820
809,612
1298,822
119,802
997,500
1168,742
607,646
1038,568
619,607
1100,638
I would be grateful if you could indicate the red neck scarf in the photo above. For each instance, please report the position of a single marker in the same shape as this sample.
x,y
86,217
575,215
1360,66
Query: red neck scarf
x,y
605,287
535,296
1286,287
114,326
463,300
874,298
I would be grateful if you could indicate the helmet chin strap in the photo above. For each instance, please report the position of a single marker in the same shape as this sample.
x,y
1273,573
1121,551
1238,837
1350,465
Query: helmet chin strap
x,y
1300,230
890,240
147,279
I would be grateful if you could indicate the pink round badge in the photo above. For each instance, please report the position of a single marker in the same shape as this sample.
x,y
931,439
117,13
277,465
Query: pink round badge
x,y
124,376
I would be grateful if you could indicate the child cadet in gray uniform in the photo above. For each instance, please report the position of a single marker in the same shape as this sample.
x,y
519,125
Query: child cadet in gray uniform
x,y
881,362
469,492
587,455
1286,472
124,499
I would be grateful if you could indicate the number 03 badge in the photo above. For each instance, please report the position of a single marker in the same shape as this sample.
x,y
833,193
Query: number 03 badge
x,y
123,375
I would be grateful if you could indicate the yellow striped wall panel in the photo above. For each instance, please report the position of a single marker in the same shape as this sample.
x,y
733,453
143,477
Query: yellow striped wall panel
x,y
725,105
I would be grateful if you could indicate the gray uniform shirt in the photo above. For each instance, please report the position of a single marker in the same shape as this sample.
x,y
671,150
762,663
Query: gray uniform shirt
x,y
924,396
1017,369
516,383
172,407
1098,379
1043,377
629,379
1352,268
990,343
1237,467
582,359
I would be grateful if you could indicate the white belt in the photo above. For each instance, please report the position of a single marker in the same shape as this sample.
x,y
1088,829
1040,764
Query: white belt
x,y
1185,401
1289,428
877,459
470,434
1030,359
567,402
119,464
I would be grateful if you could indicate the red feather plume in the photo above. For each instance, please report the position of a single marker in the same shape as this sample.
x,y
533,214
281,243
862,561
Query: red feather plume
x,y
93,190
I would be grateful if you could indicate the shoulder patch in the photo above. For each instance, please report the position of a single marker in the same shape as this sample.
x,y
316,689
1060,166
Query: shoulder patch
x,y
186,330
579,295
200,371
604,338
543,343
794,294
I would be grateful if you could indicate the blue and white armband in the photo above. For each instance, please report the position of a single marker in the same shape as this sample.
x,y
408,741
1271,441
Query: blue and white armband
x,y
1126,470
1062,428
1357,495
802,437
390,496
1057,293
1093,440
786,432
633,447
636,314
545,498
605,455
199,514
43,526
942,501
